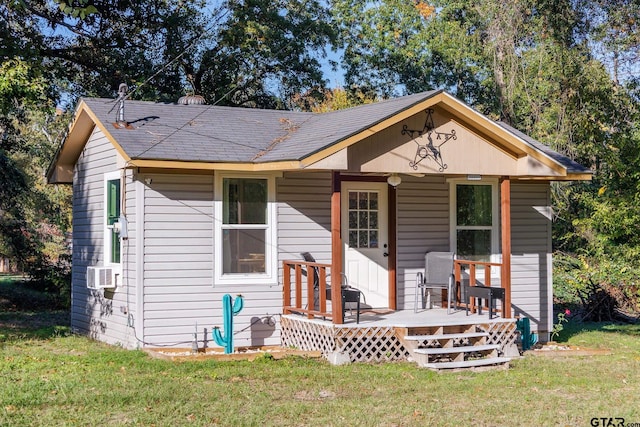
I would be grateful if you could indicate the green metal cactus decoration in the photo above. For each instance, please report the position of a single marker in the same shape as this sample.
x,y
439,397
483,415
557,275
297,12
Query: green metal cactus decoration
x,y
229,310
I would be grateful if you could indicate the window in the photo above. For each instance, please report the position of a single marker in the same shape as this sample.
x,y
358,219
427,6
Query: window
x,y
363,219
245,232
474,218
112,246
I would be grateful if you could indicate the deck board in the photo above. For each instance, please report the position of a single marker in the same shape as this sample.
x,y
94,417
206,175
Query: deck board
x,y
408,319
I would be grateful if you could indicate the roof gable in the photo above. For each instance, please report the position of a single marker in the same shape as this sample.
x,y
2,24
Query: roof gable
x,y
213,137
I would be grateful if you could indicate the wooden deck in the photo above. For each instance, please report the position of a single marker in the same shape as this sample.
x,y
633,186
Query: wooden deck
x,y
432,338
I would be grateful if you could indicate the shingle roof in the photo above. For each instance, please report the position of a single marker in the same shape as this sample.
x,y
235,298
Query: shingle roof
x,y
206,133
570,165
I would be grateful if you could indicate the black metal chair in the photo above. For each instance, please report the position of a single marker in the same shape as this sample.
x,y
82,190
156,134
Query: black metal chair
x,y
438,274
350,294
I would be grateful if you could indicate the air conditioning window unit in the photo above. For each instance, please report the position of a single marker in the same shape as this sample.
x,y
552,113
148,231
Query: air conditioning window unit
x,y
100,278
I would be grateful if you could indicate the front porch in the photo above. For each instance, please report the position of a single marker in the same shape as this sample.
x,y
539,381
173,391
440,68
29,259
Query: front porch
x,y
431,338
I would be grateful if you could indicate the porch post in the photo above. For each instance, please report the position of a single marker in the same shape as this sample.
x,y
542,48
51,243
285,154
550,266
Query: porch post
x,y
336,251
505,220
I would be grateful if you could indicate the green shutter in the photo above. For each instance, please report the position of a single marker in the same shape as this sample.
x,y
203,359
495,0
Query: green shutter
x,y
113,214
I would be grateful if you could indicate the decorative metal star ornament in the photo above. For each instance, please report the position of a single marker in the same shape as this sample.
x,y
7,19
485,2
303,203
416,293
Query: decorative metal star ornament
x,y
430,150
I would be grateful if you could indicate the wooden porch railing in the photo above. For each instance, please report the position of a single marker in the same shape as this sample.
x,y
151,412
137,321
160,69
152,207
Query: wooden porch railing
x,y
472,267
299,295
299,287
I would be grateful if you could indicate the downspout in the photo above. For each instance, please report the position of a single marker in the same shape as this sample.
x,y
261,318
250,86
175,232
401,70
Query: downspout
x,y
139,323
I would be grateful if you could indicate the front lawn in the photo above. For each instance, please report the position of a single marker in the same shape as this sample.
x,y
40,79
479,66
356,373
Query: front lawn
x,y
49,377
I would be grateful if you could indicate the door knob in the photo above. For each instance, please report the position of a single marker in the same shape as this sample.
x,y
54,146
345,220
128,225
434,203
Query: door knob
x,y
385,254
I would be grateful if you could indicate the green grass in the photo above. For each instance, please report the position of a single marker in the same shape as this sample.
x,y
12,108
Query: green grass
x,y
49,377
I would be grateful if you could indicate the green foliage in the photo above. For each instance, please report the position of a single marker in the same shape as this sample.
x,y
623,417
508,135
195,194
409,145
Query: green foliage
x,y
559,71
266,52
397,46
17,294
78,9
332,100
558,326
34,217
603,288
265,357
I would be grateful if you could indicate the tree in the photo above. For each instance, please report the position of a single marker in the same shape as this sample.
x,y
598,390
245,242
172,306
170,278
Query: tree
x,y
550,69
615,35
395,47
251,53
21,89
34,217
264,53
332,100
90,50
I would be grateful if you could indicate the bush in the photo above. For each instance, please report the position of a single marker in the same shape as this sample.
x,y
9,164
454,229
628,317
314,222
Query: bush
x,y
17,294
54,279
599,290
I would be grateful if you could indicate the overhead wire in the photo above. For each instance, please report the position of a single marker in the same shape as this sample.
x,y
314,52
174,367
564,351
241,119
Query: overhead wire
x,y
208,107
130,318
181,54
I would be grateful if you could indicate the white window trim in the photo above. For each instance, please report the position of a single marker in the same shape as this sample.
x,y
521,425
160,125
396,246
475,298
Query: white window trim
x,y
495,216
110,176
269,277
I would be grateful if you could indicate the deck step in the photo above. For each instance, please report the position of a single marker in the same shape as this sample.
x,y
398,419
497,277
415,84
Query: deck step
x,y
446,336
461,349
468,363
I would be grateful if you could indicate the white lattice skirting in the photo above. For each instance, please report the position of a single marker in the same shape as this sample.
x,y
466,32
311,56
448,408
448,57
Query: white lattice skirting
x,y
369,343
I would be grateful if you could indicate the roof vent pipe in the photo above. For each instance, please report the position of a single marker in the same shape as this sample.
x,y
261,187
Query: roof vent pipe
x,y
122,94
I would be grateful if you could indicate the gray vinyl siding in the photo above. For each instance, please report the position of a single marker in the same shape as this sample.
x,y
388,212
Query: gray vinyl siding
x,y
422,226
101,314
304,216
531,285
180,296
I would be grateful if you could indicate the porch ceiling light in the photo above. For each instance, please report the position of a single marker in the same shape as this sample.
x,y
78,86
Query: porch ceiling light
x,y
430,150
394,180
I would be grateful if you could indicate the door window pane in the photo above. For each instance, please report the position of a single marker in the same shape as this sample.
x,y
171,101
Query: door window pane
x,y
363,219
373,220
363,241
353,238
373,239
353,219
353,200
363,198
373,201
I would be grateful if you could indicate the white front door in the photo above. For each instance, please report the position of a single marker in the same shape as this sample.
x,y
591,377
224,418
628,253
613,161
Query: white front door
x,y
365,239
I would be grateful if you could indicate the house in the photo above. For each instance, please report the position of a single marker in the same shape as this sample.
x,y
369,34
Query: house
x,y
176,205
